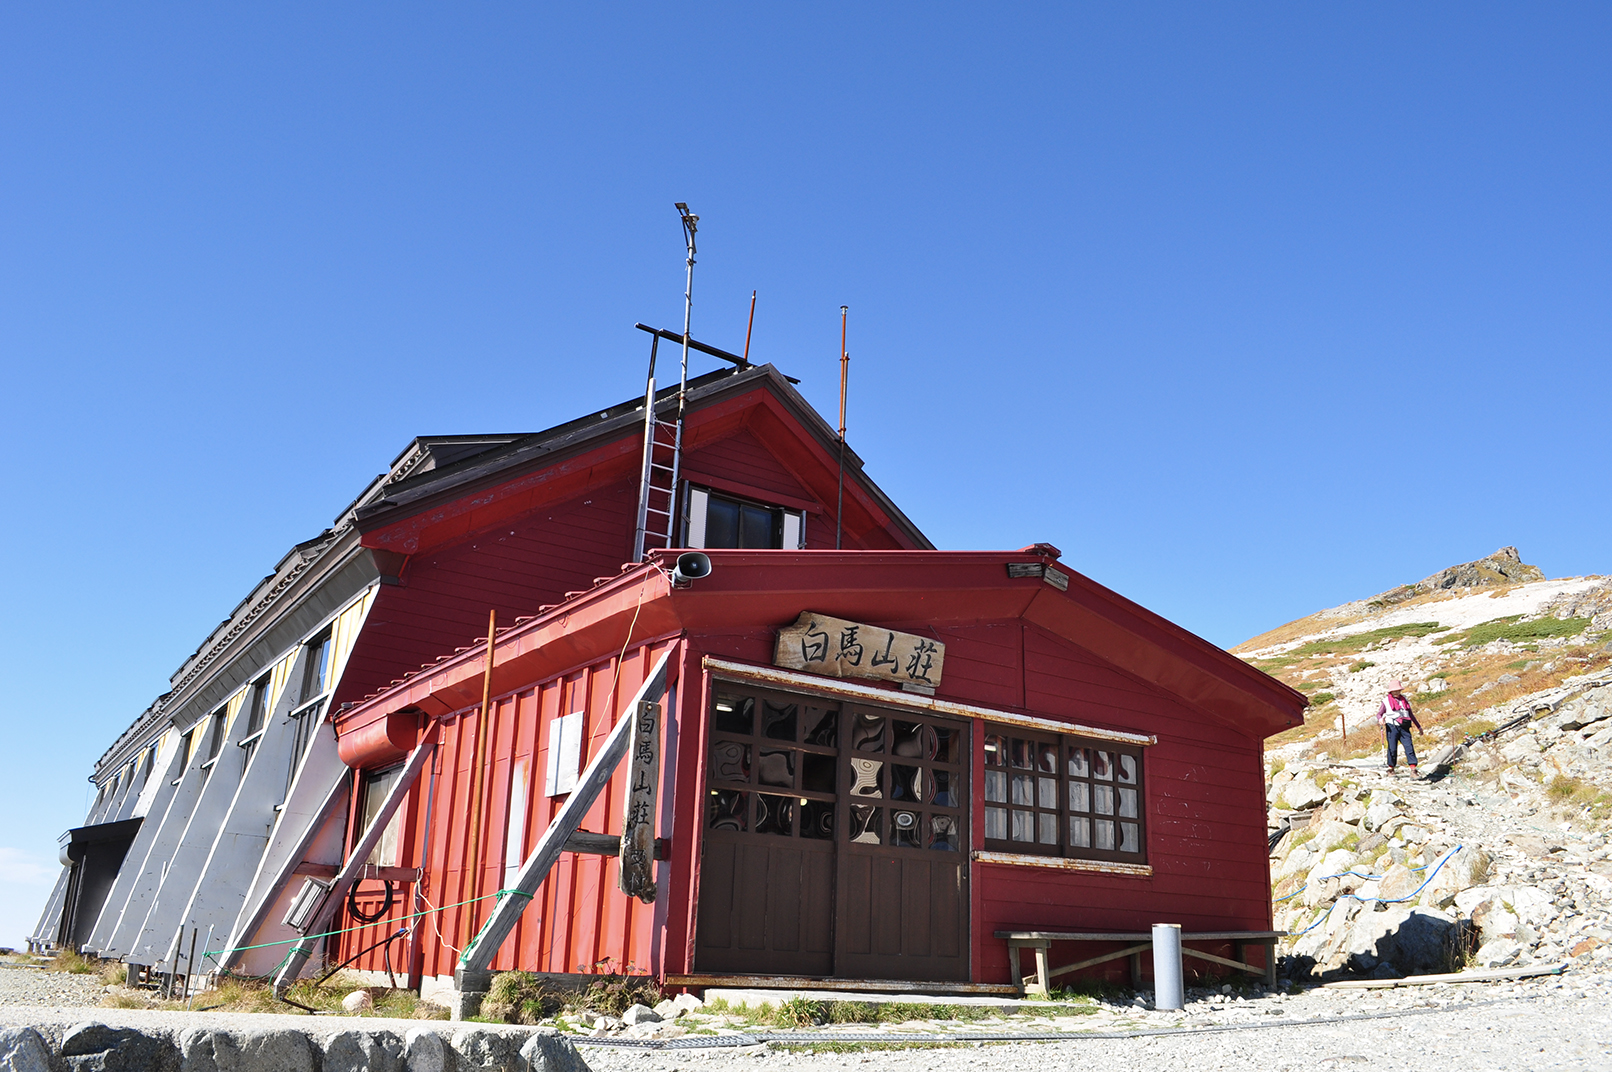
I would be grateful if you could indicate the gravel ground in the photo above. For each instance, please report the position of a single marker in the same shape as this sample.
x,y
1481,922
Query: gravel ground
x,y
1521,1028
30,986
1555,1022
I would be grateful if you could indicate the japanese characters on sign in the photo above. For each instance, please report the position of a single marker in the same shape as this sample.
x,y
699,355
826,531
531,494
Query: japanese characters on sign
x,y
840,648
638,819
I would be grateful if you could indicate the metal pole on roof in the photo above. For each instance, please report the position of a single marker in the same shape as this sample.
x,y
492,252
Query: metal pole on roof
x,y
845,362
690,225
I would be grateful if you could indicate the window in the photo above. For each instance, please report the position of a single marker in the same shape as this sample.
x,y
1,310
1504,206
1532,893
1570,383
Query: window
x,y
316,668
716,520
564,765
773,764
376,786
257,706
1063,796
515,833
215,735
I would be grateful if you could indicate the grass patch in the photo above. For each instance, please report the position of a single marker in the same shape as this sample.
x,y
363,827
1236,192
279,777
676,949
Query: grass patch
x,y
1363,664
72,963
520,998
615,995
1514,629
237,994
1321,699
1357,641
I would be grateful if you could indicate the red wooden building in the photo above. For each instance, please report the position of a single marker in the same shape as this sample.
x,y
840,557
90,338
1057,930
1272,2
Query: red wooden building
x,y
1041,754
1081,764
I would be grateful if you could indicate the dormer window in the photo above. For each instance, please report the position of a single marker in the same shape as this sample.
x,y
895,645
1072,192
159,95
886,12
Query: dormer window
x,y
718,520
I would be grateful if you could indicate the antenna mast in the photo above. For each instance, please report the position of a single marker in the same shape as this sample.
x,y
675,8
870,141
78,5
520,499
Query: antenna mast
x,y
663,440
845,364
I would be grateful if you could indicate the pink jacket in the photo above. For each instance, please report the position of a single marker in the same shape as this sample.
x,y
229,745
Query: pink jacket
x,y
1402,711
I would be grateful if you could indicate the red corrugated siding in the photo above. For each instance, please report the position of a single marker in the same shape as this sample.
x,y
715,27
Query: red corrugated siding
x,y
579,920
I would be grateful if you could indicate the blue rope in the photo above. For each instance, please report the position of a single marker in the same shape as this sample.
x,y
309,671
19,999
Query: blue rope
x,y
1379,900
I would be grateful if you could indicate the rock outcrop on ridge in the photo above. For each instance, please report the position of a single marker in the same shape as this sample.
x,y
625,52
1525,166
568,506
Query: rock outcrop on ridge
x,y
1499,855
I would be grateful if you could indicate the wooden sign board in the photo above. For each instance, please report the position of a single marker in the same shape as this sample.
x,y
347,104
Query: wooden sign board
x,y
839,648
638,821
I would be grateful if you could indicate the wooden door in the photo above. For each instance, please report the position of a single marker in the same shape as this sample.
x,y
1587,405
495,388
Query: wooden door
x,y
835,840
903,863
766,902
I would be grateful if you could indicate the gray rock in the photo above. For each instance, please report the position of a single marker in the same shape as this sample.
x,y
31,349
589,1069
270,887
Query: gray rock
x,y
359,1001
23,1050
363,1051
424,1051
253,1051
1412,940
1498,953
1302,793
482,1049
640,1014
94,1047
546,1052
1398,883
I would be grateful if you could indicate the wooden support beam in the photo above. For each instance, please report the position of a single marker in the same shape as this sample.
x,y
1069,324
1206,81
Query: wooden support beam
x,y
357,860
472,975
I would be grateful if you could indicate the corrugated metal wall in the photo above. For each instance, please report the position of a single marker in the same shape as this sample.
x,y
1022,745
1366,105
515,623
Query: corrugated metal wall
x,y
579,921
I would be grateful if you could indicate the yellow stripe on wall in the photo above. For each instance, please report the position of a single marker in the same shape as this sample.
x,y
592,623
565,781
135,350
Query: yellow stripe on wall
x,y
344,633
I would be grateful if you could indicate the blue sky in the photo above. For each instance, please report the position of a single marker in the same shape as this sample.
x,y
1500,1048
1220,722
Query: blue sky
x,y
1250,309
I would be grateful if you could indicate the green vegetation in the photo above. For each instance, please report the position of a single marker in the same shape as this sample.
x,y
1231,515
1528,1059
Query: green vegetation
x,y
807,1012
1363,664
520,998
1512,628
1357,641
237,994
1577,793
1321,699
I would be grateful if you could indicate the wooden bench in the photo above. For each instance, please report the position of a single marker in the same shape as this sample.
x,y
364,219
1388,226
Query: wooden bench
x,y
1136,945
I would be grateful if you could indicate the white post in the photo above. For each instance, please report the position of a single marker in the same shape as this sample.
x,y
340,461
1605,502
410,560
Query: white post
x,y
1167,993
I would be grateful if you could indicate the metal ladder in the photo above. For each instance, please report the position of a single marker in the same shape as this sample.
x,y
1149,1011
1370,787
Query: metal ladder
x,y
663,440
657,482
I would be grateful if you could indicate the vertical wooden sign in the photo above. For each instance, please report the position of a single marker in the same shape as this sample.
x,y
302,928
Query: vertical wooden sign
x,y
638,822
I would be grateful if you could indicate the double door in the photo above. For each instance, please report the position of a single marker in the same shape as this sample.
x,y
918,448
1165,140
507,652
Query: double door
x,y
835,840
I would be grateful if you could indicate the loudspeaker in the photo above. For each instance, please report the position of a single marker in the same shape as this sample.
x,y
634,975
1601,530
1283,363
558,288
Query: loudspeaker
x,y
691,566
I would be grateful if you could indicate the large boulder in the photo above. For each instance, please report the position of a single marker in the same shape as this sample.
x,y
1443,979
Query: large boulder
x,y
364,1051
551,1052
1302,794
1412,940
1460,871
1398,883
214,1050
22,1049
95,1047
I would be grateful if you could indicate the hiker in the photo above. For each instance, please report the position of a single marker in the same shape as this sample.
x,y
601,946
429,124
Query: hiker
x,y
1397,718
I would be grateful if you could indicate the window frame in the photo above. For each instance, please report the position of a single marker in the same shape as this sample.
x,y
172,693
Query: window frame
x,y
1064,778
319,654
788,530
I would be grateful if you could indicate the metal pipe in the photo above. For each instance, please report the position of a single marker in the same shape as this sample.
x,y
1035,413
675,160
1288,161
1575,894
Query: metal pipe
x,y
190,962
690,226
472,860
845,361
1167,992
748,328
695,344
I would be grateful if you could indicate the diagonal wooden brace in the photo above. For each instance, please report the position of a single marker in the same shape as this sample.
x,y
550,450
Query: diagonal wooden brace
x,y
472,973
354,867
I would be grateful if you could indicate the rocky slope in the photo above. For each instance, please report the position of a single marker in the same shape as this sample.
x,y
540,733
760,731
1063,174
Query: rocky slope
x,y
1500,856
